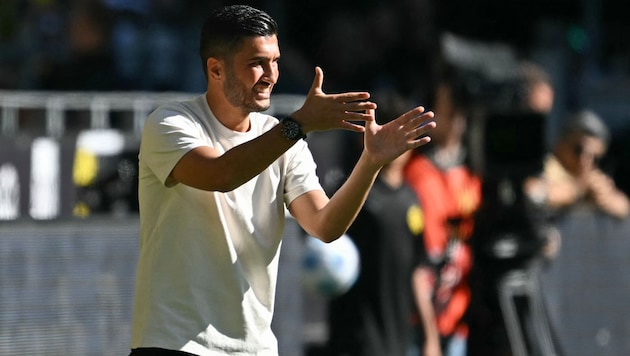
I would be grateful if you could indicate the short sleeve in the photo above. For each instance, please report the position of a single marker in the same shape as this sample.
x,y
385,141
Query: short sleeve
x,y
167,136
301,174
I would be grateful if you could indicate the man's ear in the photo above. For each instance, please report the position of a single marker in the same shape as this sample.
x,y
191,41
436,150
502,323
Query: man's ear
x,y
215,68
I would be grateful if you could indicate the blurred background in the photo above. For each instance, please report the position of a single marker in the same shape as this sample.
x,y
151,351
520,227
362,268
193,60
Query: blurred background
x,y
78,77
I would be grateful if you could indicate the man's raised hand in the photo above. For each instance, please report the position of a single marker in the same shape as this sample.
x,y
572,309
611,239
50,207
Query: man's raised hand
x,y
385,142
322,111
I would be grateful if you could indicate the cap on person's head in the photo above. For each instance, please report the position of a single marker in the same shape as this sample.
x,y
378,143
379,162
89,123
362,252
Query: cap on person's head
x,y
587,122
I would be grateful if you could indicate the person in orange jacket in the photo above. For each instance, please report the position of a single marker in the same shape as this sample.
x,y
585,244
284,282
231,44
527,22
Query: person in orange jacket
x,y
449,193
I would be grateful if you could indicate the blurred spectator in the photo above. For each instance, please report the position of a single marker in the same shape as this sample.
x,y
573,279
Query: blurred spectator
x,y
399,38
539,93
373,317
128,42
512,229
90,63
8,53
449,193
572,176
148,38
32,37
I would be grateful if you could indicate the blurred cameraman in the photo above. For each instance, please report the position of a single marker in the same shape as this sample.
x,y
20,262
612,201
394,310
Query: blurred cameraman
x,y
512,229
572,176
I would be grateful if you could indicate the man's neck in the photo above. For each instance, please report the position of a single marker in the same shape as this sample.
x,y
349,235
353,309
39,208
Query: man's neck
x,y
393,177
231,117
447,156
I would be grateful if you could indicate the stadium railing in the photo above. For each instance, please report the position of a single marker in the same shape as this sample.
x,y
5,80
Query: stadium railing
x,y
74,153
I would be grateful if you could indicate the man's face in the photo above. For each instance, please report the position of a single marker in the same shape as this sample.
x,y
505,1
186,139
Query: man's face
x,y
252,73
541,98
451,121
580,153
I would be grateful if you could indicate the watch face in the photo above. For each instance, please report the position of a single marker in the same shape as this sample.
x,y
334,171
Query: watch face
x,y
291,129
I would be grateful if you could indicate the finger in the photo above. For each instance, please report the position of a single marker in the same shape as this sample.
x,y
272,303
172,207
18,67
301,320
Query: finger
x,y
371,122
418,113
359,106
351,121
418,137
350,126
415,112
422,129
419,120
318,81
366,116
350,97
406,120
421,141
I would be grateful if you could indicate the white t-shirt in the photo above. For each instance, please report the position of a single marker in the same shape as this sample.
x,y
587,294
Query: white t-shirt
x,y
208,262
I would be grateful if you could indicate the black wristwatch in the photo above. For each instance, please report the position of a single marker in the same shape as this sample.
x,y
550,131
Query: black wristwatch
x,y
291,129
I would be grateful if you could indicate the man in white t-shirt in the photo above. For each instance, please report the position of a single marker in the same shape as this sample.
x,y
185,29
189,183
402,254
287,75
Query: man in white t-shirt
x,y
215,178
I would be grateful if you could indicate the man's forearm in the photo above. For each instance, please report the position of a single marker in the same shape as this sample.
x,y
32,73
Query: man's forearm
x,y
204,168
422,293
344,206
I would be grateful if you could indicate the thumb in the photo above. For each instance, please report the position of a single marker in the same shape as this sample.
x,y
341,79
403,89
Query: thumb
x,y
318,81
371,124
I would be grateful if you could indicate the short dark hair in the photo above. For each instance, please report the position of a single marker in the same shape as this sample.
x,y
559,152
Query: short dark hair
x,y
534,74
455,80
226,27
391,104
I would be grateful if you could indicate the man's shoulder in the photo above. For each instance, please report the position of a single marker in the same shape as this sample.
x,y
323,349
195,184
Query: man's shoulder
x,y
185,105
264,117
191,108
262,122
421,166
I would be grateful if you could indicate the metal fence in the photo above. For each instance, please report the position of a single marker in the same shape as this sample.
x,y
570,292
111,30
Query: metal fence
x,y
74,153
47,113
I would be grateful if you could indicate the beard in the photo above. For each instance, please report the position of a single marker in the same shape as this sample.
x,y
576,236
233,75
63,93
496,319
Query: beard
x,y
239,95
